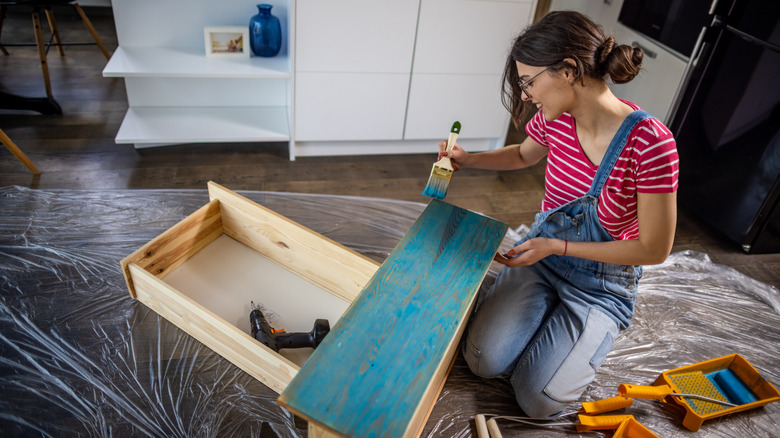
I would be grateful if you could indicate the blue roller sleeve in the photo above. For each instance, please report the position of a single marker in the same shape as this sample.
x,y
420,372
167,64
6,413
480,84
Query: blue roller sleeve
x,y
732,387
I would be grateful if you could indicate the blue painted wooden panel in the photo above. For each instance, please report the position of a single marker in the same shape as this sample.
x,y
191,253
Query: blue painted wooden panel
x,y
368,376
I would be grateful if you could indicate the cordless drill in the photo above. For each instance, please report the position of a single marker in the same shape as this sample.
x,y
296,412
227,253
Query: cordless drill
x,y
277,339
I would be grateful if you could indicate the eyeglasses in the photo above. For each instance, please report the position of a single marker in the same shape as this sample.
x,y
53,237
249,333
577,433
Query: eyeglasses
x,y
524,85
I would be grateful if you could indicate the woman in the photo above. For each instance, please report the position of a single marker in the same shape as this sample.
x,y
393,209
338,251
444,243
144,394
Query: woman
x,y
569,286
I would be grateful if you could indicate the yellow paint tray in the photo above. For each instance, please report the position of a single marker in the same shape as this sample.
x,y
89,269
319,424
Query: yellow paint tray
x,y
730,379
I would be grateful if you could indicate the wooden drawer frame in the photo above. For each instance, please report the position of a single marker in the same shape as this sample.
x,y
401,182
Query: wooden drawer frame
x,y
333,267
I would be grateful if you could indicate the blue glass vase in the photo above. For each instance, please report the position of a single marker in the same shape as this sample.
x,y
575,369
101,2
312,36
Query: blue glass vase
x,y
265,32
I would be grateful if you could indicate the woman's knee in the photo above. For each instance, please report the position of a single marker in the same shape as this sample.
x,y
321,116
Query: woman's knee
x,y
485,361
538,404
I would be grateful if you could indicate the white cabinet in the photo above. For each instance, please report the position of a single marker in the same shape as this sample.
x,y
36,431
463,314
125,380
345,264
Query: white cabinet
x,y
352,71
350,106
178,95
386,77
459,60
355,35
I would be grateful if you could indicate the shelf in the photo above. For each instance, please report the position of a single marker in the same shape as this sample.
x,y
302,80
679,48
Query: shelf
x,y
190,63
171,125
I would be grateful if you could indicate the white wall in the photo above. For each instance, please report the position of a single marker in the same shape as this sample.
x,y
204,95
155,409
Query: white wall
x,y
655,87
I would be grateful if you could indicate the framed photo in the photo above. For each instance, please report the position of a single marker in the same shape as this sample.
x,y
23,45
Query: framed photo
x,y
230,41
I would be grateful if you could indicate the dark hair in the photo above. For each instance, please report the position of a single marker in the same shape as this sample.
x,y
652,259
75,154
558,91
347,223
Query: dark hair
x,y
567,34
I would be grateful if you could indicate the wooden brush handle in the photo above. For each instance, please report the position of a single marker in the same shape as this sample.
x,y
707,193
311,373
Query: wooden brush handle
x,y
445,161
451,140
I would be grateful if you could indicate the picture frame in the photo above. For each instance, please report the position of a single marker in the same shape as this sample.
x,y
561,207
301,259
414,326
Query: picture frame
x,y
227,41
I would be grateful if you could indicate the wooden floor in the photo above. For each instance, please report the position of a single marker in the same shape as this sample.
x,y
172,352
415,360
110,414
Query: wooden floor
x,y
77,151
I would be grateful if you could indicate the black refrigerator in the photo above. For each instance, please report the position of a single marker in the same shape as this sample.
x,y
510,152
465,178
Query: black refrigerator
x,y
726,119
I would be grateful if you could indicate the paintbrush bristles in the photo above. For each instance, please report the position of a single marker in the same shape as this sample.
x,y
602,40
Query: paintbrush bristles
x,y
438,182
441,174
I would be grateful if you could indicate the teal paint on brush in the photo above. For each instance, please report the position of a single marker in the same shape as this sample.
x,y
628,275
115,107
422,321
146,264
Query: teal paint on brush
x,y
368,376
441,174
436,187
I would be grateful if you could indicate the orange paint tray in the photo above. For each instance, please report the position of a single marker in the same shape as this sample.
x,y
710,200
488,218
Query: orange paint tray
x,y
730,379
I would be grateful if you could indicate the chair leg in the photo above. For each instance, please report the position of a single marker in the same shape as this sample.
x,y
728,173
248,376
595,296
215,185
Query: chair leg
x,y
18,153
54,31
41,51
2,18
92,31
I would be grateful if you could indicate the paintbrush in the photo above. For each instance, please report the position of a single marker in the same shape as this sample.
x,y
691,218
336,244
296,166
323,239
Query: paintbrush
x,y
441,174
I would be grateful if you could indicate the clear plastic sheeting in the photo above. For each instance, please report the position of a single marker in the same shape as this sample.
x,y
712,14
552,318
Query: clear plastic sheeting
x,y
80,357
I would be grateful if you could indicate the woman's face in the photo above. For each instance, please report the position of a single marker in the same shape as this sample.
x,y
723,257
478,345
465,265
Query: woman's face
x,y
547,89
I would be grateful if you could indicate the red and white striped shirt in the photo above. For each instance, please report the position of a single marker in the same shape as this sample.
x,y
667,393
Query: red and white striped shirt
x,y
648,164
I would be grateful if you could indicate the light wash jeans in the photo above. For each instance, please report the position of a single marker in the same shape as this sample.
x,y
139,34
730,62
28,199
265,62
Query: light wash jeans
x,y
548,327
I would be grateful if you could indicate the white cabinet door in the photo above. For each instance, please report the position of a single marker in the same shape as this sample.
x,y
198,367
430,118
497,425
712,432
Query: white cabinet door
x,y
355,35
350,106
353,63
468,36
438,100
461,51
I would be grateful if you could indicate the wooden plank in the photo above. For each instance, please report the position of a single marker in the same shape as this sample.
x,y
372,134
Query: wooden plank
x,y
322,261
269,367
177,244
376,372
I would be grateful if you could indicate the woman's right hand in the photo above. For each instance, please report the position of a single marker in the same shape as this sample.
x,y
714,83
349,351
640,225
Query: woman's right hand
x,y
458,157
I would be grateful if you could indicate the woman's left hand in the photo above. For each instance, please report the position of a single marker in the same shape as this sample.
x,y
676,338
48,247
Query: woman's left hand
x,y
530,252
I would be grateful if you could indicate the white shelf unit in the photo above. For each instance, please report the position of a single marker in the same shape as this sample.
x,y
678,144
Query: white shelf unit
x,y
354,77
178,95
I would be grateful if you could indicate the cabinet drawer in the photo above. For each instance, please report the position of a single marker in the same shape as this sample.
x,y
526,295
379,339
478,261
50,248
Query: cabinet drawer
x,y
467,36
435,101
355,35
350,106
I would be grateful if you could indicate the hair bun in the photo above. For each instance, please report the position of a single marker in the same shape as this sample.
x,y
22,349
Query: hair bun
x,y
623,63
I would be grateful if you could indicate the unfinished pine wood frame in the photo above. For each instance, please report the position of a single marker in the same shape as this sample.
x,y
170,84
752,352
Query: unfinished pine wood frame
x,y
331,266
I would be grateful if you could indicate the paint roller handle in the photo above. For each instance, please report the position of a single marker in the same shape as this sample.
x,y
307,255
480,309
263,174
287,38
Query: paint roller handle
x,y
606,405
645,392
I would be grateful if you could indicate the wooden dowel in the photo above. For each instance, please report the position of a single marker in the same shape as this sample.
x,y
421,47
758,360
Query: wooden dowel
x,y
92,31
42,52
18,153
55,32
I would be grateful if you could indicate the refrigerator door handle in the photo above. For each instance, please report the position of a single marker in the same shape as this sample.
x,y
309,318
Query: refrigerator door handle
x,y
750,38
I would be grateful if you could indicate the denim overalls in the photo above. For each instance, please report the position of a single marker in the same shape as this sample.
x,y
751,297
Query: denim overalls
x,y
549,326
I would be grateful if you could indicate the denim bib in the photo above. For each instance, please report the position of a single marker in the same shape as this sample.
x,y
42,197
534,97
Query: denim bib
x,y
578,221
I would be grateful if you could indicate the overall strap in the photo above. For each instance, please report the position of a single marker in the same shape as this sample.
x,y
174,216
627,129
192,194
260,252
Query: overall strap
x,y
614,150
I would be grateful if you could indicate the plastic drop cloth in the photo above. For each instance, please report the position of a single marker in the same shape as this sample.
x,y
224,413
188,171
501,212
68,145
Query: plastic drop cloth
x,y
80,357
